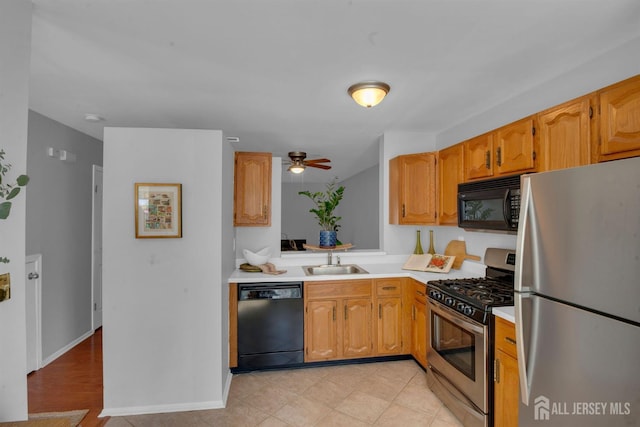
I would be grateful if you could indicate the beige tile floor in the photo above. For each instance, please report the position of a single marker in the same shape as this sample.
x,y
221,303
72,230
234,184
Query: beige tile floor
x,y
380,394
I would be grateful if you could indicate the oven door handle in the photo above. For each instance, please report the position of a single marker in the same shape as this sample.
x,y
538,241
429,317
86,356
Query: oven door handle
x,y
454,318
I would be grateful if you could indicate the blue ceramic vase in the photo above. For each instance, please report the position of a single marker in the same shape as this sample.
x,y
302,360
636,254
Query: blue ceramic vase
x,y
328,239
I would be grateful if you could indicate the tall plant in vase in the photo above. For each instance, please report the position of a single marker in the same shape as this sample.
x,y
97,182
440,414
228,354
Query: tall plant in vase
x,y
8,191
325,205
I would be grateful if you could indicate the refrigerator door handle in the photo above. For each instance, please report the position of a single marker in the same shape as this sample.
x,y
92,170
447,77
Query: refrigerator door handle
x,y
521,351
523,240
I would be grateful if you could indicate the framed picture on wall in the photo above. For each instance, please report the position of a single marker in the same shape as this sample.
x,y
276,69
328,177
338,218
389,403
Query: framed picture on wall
x,y
158,210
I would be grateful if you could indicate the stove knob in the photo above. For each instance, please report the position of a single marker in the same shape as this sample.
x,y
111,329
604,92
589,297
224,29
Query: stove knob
x,y
461,307
449,301
468,310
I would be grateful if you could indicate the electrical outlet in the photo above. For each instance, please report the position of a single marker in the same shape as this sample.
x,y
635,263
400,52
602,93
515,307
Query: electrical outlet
x,y
5,287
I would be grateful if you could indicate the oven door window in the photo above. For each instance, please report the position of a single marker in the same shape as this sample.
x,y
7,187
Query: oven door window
x,y
456,345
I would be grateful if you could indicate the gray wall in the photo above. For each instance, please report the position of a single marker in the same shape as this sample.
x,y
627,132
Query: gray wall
x,y
15,51
359,210
59,227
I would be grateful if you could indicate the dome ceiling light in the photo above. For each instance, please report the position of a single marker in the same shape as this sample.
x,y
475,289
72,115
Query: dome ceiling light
x,y
369,94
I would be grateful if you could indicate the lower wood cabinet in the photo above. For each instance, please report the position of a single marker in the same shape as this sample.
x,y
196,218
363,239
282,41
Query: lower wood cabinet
x,y
419,322
356,318
506,381
338,320
389,323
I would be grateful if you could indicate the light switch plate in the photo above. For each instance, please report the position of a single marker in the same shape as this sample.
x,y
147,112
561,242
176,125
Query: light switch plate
x,y
5,287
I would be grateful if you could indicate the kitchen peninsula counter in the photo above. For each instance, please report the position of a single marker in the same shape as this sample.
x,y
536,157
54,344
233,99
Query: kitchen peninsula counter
x,y
377,267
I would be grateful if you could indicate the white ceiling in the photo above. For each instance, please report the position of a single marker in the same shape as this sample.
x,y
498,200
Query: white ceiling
x,y
275,73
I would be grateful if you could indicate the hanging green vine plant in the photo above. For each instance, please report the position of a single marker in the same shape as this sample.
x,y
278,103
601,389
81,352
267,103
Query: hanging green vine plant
x,y
8,191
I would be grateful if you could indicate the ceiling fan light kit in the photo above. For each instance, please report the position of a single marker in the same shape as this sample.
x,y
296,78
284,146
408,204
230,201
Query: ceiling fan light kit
x,y
369,94
299,164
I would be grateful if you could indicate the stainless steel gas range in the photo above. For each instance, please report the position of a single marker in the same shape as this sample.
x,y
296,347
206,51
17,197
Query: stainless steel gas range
x,y
460,352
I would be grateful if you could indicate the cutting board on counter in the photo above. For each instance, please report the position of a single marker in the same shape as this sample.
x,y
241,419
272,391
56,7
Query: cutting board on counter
x,y
458,248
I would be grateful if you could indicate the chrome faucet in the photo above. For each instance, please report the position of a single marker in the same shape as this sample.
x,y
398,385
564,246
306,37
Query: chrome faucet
x,y
338,259
330,258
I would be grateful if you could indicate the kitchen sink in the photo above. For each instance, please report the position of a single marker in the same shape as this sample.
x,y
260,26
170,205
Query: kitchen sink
x,y
317,270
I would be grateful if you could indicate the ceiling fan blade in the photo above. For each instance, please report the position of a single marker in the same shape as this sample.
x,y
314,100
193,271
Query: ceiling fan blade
x,y
313,165
318,161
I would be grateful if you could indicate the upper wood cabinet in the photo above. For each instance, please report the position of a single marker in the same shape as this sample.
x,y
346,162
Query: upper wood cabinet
x,y
412,189
450,174
504,151
478,157
565,134
620,120
252,189
515,147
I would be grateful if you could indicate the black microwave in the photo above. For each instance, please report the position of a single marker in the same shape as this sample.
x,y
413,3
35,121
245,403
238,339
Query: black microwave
x,y
491,204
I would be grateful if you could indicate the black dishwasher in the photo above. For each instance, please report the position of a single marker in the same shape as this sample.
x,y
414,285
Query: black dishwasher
x,y
270,325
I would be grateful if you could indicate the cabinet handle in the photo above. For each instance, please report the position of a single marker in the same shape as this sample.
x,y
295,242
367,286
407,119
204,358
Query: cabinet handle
x,y
334,313
264,212
499,156
496,371
420,293
487,159
403,211
379,311
413,312
510,340
345,312
388,288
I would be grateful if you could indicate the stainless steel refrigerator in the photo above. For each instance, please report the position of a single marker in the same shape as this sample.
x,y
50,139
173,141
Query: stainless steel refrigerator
x,y
577,301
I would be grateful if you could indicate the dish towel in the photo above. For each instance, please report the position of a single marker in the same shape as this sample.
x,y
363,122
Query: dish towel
x,y
269,268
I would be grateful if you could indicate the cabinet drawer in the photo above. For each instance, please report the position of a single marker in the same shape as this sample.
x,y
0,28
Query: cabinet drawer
x,y
506,336
420,292
388,287
338,288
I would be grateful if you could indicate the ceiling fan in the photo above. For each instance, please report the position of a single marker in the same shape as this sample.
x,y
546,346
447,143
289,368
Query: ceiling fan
x,y
298,162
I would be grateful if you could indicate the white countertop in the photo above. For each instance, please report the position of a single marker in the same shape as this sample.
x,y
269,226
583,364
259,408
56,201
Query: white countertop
x,y
507,313
378,267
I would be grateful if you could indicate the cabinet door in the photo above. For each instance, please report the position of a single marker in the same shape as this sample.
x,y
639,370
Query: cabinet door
x,y
450,174
565,135
356,332
321,330
478,157
389,339
620,120
252,189
506,390
412,187
419,332
515,151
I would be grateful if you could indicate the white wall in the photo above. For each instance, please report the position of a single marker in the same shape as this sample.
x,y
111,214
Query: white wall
x,y
165,300
15,49
612,67
59,215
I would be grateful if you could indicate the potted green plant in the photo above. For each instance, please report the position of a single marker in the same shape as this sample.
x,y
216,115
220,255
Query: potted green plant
x,y
8,191
325,205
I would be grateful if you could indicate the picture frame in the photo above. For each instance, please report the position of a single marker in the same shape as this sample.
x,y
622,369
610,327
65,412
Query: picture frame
x,y
158,210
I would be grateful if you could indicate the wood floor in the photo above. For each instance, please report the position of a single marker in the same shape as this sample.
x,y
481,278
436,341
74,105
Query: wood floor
x,y
72,381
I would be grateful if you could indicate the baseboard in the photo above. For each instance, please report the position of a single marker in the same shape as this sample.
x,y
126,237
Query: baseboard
x,y
227,387
160,409
66,348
